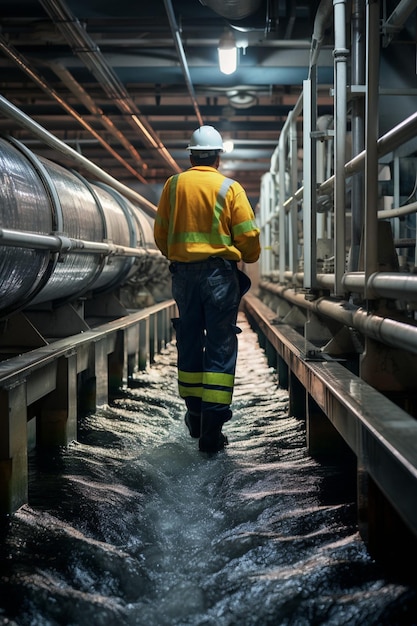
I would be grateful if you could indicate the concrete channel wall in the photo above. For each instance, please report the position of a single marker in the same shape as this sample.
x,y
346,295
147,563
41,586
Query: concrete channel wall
x,y
350,422
44,391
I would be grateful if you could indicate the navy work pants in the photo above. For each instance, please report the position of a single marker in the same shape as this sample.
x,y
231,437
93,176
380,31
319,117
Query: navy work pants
x,y
207,294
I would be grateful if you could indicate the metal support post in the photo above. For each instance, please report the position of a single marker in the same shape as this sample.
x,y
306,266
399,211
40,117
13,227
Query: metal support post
x,y
57,423
116,363
101,372
131,357
13,449
297,397
144,342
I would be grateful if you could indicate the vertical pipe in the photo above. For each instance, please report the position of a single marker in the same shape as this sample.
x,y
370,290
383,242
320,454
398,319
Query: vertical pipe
x,y
340,67
282,148
310,177
397,199
371,138
358,133
272,200
321,159
281,215
329,170
267,206
294,205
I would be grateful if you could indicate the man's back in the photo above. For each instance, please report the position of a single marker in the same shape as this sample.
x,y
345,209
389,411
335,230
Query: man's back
x,y
202,213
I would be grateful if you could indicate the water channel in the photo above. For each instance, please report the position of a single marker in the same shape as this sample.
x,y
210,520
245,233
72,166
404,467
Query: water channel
x,y
132,525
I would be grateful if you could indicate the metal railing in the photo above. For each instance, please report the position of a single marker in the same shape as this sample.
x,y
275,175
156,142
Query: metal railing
x,y
304,230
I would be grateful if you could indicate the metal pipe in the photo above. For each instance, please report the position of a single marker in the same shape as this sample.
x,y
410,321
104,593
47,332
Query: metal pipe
x,y
391,285
310,178
357,125
281,195
64,245
387,331
292,115
395,285
24,120
293,243
397,18
340,67
279,159
371,138
401,133
384,214
183,61
323,13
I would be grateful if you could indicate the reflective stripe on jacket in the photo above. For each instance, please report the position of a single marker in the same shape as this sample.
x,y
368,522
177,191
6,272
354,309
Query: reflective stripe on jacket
x,y
201,213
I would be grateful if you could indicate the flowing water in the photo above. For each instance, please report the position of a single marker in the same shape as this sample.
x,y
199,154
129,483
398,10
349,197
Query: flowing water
x,y
132,525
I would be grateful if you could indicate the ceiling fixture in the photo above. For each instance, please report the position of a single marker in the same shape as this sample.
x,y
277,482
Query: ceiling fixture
x,y
242,99
227,53
228,145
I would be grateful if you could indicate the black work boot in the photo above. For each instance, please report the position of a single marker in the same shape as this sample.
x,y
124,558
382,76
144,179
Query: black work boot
x,y
193,423
212,439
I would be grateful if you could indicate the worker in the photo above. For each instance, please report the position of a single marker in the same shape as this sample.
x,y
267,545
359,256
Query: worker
x,y
205,225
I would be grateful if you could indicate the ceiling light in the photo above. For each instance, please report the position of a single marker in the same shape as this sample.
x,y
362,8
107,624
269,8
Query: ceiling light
x,y
243,100
227,53
228,145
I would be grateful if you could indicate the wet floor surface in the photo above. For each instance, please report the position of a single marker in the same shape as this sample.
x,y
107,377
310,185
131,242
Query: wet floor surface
x,y
133,525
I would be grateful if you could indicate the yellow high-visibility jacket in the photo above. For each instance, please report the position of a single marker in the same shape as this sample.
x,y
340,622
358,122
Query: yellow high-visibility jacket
x,y
201,213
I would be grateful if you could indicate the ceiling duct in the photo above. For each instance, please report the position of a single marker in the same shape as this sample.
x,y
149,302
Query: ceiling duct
x,y
233,9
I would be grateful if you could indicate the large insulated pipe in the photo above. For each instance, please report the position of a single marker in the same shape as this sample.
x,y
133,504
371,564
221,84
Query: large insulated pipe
x,y
42,198
10,110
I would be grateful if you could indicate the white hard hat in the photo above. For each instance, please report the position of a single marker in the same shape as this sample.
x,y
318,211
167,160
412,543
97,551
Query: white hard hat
x,y
206,139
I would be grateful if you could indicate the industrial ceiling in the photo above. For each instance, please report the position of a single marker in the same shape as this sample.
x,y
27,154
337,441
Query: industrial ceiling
x,y
136,78
125,83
